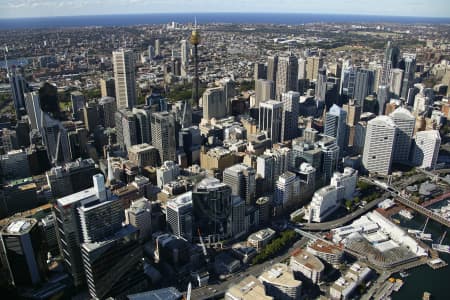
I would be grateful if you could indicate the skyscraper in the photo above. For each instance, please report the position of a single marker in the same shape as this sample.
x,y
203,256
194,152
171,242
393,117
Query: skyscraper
x,y
287,75
405,122
108,87
272,67
348,81
126,128
426,148
289,126
313,64
214,104
242,180
264,90
212,205
409,61
124,77
390,61
163,135
260,71
270,119
69,225
179,216
184,54
107,107
395,83
383,98
34,110
363,85
22,247
379,145
335,126
18,89
157,47
321,87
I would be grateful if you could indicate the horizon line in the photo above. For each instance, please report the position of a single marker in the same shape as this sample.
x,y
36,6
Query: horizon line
x,y
230,12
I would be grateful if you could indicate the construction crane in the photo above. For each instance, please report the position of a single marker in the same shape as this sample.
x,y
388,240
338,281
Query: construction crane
x,y
205,253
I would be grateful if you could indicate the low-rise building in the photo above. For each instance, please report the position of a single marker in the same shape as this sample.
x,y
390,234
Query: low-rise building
x,y
326,251
261,238
280,283
250,288
345,286
307,264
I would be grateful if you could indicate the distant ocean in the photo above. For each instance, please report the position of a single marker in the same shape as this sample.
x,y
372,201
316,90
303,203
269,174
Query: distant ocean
x,y
241,18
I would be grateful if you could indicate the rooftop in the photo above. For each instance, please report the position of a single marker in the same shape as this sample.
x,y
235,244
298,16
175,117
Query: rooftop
x,y
169,293
250,288
19,226
281,275
308,260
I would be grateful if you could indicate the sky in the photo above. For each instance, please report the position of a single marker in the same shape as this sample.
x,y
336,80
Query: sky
x,y
46,8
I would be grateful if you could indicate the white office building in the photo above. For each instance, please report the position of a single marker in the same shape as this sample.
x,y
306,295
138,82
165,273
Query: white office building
x,y
405,122
379,145
124,77
426,148
179,215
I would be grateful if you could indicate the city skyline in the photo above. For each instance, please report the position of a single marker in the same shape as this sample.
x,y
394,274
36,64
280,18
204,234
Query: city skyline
x,y
50,8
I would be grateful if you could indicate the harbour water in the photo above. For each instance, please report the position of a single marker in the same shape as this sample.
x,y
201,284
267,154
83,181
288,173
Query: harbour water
x,y
425,279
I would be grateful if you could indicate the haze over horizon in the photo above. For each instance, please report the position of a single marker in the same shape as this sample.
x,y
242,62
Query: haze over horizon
x,y
49,8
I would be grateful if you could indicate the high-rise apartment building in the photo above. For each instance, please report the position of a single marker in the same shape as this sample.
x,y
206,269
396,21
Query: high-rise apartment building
x,y
242,180
379,145
124,77
163,135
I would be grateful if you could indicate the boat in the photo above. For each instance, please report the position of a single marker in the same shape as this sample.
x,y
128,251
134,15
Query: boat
x,y
441,248
398,284
413,231
426,296
396,221
404,274
406,214
425,236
